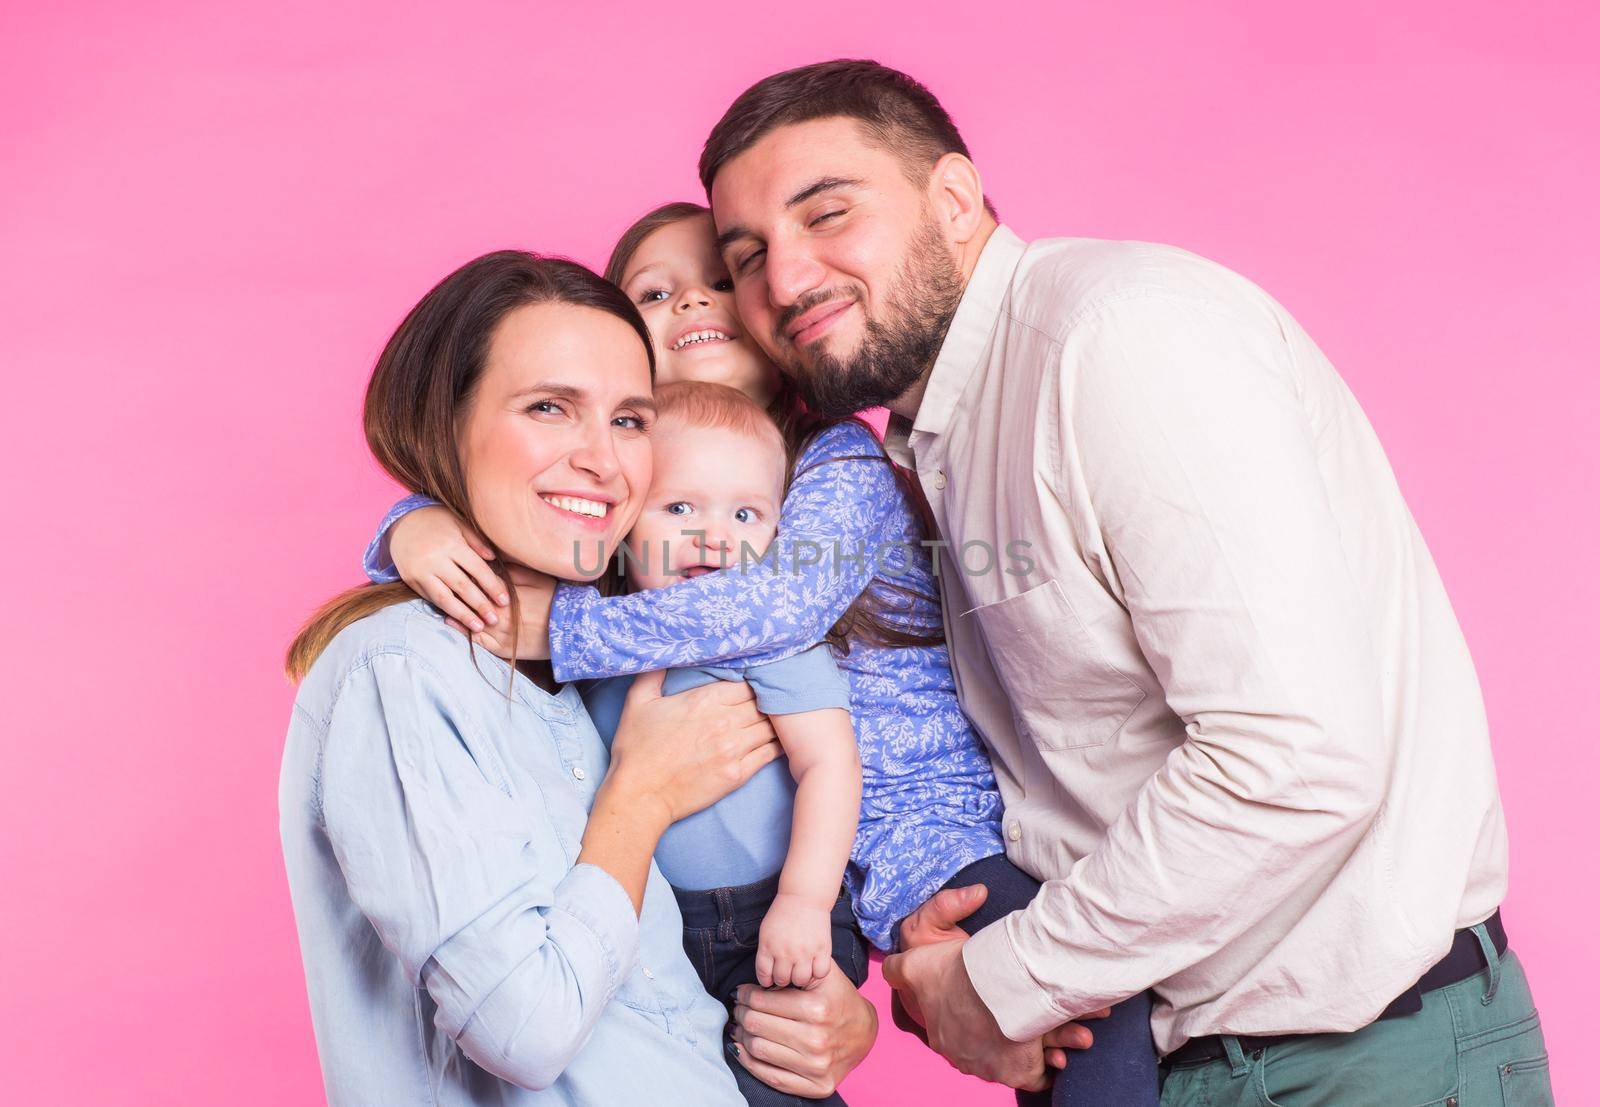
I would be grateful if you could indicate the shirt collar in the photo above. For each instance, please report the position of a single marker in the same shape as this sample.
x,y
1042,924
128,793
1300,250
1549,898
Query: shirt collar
x,y
964,343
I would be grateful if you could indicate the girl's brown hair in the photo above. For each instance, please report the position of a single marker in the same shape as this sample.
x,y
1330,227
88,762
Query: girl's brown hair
x,y
426,378
881,615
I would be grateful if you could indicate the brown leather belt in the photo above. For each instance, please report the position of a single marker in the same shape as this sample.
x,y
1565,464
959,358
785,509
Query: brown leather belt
x,y
1465,959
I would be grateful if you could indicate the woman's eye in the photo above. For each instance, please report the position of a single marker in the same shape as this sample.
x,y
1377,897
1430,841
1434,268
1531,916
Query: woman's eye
x,y
679,507
544,407
745,515
653,295
630,422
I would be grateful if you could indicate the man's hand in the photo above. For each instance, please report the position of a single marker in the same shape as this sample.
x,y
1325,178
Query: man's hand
x,y
803,1042
939,920
933,983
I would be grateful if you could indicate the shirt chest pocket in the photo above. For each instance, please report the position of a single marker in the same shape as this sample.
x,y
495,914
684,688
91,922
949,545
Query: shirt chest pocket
x,y
1064,694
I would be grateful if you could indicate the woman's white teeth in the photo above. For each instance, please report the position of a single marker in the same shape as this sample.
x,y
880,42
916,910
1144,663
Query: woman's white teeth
x,y
578,505
700,336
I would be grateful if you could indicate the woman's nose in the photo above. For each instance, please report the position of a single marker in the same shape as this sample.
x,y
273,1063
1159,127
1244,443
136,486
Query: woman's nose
x,y
597,455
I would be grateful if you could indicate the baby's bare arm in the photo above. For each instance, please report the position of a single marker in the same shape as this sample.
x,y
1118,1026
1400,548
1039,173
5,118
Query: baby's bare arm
x,y
796,938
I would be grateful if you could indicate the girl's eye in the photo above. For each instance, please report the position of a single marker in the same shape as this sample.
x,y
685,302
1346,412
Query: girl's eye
x,y
745,515
679,507
653,295
724,285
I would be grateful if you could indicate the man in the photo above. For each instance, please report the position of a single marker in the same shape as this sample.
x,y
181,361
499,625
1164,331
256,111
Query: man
x,y
1235,723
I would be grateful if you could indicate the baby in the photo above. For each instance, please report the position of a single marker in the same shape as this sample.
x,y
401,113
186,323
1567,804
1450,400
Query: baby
x,y
776,849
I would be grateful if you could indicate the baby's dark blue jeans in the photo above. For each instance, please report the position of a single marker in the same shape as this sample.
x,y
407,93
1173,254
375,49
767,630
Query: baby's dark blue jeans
x,y
721,929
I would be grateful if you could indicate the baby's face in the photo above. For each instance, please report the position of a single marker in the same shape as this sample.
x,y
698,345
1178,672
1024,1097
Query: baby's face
x,y
714,493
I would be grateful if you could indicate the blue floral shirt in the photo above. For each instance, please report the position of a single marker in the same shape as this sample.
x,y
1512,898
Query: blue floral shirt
x,y
929,804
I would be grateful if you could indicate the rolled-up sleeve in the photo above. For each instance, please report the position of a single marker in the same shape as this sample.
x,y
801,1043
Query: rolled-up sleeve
x,y
1185,444
520,950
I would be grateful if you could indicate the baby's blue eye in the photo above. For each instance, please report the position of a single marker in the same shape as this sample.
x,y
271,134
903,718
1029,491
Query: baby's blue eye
x,y
745,515
679,507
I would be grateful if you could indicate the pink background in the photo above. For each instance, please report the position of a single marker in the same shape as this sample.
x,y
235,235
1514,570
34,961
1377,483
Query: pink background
x,y
213,218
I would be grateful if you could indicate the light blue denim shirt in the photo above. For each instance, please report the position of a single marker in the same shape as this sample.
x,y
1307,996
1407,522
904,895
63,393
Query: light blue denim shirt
x,y
432,809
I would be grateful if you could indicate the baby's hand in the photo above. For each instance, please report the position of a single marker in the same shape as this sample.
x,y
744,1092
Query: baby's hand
x,y
447,564
796,944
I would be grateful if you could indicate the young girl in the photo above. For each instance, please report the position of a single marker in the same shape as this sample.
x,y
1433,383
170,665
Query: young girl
x,y
850,571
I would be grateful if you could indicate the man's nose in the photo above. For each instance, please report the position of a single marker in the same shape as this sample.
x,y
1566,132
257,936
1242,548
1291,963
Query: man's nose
x,y
791,273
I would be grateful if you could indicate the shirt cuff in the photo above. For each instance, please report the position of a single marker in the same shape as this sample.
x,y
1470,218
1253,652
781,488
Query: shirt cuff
x,y
592,898
1022,1008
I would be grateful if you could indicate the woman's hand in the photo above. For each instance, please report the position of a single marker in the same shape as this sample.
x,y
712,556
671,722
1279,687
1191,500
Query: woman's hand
x,y
671,756
684,752
803,1042
447,563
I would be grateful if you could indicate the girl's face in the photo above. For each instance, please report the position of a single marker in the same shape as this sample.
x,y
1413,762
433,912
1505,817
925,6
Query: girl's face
x,y
553,442
682,288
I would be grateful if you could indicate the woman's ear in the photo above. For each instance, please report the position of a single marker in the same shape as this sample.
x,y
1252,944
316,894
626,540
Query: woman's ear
x,y
956,193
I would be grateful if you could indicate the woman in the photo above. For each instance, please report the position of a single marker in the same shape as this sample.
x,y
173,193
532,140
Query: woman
x,y
478,912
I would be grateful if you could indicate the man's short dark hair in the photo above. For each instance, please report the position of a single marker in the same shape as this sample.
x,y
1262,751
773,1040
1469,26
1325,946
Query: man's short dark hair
x,y
895,110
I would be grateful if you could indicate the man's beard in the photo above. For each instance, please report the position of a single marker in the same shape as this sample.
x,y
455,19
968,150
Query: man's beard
x,y
895,351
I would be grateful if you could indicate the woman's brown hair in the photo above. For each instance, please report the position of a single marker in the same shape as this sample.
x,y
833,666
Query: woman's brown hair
x,y
426,378
881,615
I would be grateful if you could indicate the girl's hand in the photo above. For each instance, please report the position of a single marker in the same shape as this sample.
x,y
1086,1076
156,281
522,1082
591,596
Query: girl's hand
x,y
447,563
796,945
534,592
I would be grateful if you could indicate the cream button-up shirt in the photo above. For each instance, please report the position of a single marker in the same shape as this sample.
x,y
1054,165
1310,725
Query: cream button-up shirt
x,y
1234,720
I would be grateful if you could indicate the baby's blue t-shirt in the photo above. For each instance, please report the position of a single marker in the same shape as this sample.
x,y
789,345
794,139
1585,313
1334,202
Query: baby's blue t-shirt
x,y
743,837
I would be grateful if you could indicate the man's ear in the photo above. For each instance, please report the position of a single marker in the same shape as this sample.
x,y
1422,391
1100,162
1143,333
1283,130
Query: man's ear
x,y
956,193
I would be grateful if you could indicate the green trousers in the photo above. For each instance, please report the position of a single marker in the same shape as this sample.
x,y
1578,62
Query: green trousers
x,y
1476,1043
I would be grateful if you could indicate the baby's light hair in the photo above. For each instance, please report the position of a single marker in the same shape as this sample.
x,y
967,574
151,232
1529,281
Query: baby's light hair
x,y
707,405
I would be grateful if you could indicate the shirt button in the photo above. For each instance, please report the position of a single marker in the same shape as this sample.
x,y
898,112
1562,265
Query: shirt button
x,y
577,771
1014,832
938,479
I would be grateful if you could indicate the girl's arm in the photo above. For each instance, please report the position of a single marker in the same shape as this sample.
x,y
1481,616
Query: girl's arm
x,y
837,517
796,944
444,561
